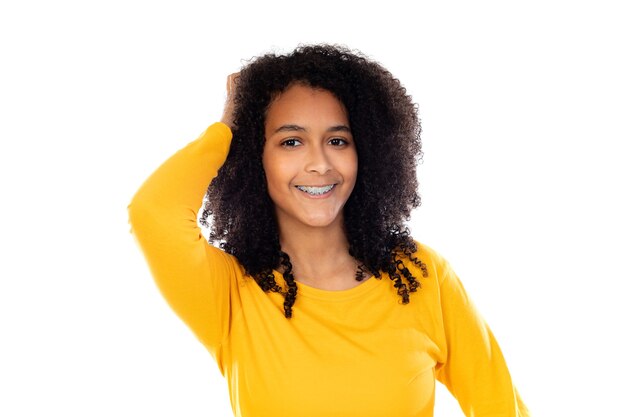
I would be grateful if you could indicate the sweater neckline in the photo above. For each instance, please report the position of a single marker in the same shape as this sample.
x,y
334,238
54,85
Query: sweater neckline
x,y
334,295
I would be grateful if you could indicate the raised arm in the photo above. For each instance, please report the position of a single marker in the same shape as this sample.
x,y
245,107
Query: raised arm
x,y
194,277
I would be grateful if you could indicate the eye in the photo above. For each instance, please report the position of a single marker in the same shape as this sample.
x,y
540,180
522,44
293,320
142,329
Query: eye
x,y
291,143
338,142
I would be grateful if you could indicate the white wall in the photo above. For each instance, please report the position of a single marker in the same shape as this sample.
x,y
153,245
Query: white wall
x,y
523,115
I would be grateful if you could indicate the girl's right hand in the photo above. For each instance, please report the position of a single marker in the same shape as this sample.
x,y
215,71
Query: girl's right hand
x,y
229,106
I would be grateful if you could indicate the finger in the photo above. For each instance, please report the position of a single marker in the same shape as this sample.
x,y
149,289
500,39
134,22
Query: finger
x,y
231,82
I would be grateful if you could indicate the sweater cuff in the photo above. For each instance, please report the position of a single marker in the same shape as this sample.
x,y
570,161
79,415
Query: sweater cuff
x,y
214,140
221,129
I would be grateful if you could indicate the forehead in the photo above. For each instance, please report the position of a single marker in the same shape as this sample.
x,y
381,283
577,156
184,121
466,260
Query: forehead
x,y
301,103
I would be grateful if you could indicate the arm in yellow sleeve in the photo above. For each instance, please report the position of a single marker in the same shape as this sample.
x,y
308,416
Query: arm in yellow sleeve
x,y
475,371
192,275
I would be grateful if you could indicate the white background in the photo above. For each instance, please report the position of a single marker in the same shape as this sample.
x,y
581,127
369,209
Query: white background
x,y
522,105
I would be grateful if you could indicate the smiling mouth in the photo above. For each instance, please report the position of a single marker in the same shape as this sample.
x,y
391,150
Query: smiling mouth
x,y
316,190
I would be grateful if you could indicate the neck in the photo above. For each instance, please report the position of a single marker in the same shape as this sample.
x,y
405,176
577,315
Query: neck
x,y
319,255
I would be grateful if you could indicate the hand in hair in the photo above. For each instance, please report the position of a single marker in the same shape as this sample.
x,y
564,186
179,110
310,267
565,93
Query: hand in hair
x,y
229,105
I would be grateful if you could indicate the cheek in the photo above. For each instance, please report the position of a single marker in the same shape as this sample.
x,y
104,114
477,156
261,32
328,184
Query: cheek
x,y
354,167
276,176
270,178
279,168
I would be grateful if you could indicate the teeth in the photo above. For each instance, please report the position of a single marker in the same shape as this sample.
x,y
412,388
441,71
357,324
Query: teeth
x,y
315,190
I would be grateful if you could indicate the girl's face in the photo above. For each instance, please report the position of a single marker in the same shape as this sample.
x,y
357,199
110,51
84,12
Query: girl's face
x,y
309,157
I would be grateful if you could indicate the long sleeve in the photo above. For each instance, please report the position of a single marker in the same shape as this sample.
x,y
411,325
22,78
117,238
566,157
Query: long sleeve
x,y
194,277
474,371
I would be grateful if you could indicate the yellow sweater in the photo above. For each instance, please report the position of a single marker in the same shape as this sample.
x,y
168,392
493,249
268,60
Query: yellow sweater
x,y
357,352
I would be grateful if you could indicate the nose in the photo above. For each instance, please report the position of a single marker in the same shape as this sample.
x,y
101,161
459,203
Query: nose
x,y
317,160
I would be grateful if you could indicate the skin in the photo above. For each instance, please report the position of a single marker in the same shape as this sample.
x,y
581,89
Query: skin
x,y
229,105
309,144
321,153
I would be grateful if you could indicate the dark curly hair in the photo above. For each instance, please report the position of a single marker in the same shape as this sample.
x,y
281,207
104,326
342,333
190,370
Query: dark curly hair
x,y
386,130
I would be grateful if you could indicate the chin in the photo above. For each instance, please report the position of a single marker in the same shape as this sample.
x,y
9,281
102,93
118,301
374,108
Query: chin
x,y
320,221
301,216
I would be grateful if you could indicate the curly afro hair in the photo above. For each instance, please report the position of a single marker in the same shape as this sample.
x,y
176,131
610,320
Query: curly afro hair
x,y
386,129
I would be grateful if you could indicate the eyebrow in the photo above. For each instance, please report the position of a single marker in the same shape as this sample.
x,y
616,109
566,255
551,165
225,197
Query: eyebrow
x,y
296,128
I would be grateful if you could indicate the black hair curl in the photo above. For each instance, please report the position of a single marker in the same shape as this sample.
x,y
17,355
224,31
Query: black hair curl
x,y
386,130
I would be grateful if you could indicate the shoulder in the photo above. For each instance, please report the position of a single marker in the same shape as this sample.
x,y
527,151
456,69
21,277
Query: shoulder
x,y
430,256
437,267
